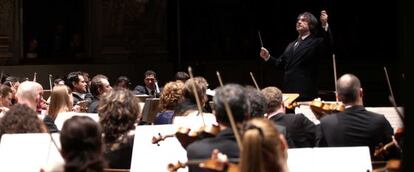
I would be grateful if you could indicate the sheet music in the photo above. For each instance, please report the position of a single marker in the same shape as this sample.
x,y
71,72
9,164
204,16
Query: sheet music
x,y
338,159
29,152
151,157
389,113
285,97
62,117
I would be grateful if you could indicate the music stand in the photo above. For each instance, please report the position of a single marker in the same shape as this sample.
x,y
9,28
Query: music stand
x,y
288,98
142,97
62,117
150,109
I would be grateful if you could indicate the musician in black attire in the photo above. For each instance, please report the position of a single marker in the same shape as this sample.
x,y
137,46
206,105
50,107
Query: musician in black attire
x,y
301,57
225,140
355,126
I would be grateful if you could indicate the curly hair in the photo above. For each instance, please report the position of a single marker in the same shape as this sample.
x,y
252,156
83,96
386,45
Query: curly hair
x,y
81,141
21,119
119,110
171,95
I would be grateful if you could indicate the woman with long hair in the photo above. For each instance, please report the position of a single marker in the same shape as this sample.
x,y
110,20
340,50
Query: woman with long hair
x,y
171,97
60,101
119,112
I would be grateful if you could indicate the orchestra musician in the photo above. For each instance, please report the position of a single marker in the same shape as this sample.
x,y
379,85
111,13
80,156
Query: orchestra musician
x,y
301,57
301,130
225,140
355,126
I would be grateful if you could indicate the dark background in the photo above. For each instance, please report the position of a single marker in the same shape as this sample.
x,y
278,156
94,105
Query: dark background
x,y
219,35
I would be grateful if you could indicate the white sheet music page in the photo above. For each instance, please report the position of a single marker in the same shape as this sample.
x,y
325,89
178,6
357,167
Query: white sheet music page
x,y
152,157
338,159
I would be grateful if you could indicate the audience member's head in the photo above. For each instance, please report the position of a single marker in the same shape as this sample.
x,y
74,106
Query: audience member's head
x,y
29,93
60,100
81,140
21,119
119,110
150,77
123,82
349,90
6,96
264,148
171,95
236,98
181,76
100,85
76,82
274,98
258,104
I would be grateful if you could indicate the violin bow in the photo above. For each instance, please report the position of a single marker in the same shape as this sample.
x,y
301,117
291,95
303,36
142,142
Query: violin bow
x,y
391,97
230,116
335,77
50,82
34,77
254,81
200,110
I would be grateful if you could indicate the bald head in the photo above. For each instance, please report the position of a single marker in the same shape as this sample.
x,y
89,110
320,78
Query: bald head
x,y
349,89
28,93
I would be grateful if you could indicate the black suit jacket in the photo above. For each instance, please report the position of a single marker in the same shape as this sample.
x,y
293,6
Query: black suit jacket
x,y
355,127
301,65
139,89
301,130
225,142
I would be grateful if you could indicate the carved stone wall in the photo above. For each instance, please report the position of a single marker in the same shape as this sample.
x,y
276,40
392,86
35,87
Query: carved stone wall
x,y
131,29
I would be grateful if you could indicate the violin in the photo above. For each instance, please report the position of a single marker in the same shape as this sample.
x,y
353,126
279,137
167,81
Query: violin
x,y
320,108
382,150
187,136
210,164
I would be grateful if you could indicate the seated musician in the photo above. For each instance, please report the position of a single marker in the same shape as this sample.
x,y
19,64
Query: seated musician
x,y
6,96
77,83
119,111
81,141
123,81
60,101
264,149
171,96
225,140
258,108
150,87
14,83
188,108
355,126
99,86
28,121
301,130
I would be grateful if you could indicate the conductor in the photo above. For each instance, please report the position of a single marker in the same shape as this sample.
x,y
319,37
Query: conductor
x,y
301,57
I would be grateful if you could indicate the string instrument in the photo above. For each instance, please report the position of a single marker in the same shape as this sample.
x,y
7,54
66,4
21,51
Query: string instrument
x,y
211,164
382,150
186,135
83,105
319,107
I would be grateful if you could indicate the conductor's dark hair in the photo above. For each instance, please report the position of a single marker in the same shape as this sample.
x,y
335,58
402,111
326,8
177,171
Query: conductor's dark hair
x,y
312,21
348,88
236,98
82,148
72,77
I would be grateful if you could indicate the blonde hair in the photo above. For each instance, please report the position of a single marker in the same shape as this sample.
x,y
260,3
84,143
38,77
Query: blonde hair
x,y
60,100
172,95
262,149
